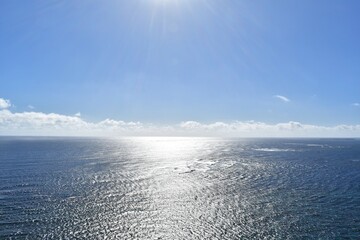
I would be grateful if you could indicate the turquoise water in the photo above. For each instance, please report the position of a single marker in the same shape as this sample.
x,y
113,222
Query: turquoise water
x,y
179,188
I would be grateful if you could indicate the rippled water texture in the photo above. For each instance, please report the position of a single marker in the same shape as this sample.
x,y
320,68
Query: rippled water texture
x,y
179,188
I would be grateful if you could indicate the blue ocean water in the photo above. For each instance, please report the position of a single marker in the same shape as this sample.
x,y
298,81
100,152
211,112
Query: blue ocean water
x,y
179,188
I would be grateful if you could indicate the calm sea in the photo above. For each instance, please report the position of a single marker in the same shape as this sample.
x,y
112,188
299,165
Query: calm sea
x,y
179,188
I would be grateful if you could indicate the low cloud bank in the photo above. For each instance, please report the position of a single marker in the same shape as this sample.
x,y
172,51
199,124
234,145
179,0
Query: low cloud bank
x,y
52,124
260,129
38,123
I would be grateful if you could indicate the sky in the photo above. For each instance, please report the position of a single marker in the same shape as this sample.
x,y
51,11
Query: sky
x,y
180,67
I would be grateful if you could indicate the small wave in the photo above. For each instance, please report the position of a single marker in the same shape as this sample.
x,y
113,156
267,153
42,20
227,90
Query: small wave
x,y
182,170
227,164
188,171
202,165
197,165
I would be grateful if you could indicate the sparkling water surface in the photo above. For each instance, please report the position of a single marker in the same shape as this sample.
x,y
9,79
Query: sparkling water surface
x,y
179,188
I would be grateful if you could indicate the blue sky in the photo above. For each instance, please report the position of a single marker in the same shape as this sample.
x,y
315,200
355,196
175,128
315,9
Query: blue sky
x,y
168,61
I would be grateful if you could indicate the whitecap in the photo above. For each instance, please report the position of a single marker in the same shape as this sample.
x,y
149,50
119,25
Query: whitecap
x,y
314,145
274,150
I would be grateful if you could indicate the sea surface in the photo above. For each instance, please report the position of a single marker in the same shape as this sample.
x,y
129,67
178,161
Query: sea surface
x,y
179,188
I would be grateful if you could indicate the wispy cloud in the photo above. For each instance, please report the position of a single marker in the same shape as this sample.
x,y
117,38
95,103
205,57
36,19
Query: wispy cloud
x,y
31,107
356,104
282,98
4,103
77,114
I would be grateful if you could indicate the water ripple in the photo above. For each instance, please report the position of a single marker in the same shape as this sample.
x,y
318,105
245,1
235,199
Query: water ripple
x,y
179,188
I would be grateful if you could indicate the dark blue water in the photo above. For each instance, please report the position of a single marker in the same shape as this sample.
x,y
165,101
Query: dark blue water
x,y
179,188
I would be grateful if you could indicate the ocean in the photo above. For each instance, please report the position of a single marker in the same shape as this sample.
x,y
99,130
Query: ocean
x,y
179,188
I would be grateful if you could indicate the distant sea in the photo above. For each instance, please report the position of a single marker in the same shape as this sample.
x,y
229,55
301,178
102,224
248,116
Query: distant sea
x,y
179,188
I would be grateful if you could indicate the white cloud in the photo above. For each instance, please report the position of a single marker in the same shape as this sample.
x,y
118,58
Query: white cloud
x,y
282,98
38,123
260,129
4,103
356,104
53,124
38,120
31,107
190,125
